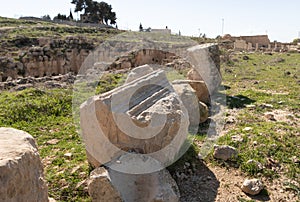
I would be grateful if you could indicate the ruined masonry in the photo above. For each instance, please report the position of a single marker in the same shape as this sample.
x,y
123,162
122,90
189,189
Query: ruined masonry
x,y
139,127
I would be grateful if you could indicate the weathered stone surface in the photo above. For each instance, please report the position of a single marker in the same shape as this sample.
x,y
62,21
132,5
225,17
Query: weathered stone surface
x,y
190,101
138,72
201,90
100,187
147,186
224,152
203,109
207,56
145,115
21,171
252,186
198,111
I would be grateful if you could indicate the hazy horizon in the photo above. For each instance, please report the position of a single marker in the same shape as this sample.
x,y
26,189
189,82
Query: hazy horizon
x,y
279,20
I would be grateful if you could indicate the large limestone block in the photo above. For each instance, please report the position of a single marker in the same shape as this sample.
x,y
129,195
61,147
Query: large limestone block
x,y
188,96
199,87
147,186
206,60
144,115
21,171
192,95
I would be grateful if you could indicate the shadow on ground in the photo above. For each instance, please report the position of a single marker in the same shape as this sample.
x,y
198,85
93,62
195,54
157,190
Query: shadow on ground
x,y
238,101
195,180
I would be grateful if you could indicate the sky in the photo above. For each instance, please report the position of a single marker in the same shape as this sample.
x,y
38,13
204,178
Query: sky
x,y
280,19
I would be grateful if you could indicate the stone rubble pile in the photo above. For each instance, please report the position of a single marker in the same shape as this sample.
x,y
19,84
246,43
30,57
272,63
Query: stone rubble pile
x,y
145,121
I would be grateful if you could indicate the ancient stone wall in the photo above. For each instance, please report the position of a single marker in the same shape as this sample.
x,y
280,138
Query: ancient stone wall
x,y
51,57
262,40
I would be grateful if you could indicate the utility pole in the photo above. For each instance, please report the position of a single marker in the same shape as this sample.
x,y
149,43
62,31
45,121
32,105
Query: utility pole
x,y
222,26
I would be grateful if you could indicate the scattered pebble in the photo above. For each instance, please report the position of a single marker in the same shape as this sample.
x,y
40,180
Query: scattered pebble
x,y
224,152
52,142
68,155
252,186
264,105
247,129
270,116
237,138
256,163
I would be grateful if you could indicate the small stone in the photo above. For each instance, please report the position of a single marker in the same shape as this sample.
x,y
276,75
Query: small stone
x,y
224,152
53,141
254,143
200,157
247,129
252,186
51,199
256,163
264,105
237,138
68,155
270,116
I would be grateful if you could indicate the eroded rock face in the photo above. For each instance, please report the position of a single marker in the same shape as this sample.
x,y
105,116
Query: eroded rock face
x,y
21,171
51,57
144,116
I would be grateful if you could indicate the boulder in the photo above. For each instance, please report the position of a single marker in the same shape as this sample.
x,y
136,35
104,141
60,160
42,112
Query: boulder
x,y
100,188
201,90
144,115
21,170
224,152
188,96
206,60
145,186
197,110
252,186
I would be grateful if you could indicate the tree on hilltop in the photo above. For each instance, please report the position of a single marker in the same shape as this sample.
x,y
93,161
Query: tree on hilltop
x,y
97,12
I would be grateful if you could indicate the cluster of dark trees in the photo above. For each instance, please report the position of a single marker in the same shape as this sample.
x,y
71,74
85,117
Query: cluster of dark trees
x,y
96,12
64,17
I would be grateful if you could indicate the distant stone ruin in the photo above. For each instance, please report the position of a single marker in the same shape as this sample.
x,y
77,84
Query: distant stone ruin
x,y
259,43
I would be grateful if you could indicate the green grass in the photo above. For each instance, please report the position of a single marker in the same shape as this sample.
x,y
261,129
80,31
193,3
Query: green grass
x,y
264,79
